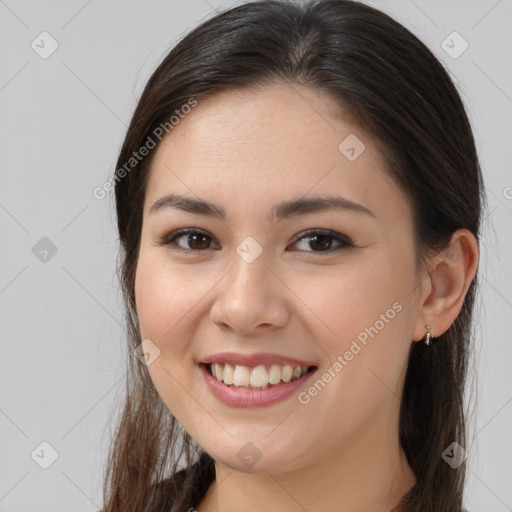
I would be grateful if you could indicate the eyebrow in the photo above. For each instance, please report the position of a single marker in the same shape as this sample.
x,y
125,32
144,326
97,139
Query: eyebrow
x,y
301,206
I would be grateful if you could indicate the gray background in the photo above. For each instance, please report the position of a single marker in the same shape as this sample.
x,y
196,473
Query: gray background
x,y
62,121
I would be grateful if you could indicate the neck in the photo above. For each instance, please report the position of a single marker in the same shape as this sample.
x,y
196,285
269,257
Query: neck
x,y
364,477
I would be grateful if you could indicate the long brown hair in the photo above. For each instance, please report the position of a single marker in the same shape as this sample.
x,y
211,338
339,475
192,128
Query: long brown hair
x,y
388,81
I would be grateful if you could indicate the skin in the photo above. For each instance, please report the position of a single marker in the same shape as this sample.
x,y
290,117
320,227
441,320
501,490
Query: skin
x,y
247,151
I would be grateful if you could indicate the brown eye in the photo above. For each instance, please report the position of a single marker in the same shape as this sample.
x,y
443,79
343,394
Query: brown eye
x,y
322,240
198,241
194,240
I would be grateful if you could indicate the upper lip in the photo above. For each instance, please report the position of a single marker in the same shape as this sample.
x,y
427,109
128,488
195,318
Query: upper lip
x,y
234,358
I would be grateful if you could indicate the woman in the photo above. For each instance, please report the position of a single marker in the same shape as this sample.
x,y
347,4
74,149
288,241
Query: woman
x,y
299,202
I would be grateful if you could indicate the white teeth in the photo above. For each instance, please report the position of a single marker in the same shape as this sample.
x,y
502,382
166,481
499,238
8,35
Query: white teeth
x,y
287,373
274,374
257,377
241,376
228,374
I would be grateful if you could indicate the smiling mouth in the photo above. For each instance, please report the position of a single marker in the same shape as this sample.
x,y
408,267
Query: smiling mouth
x,y
257,377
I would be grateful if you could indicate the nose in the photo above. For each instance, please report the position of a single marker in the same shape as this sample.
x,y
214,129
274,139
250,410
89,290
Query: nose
x,y
251,299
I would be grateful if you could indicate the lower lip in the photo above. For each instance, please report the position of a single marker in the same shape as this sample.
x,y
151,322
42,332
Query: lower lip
x,y
241,397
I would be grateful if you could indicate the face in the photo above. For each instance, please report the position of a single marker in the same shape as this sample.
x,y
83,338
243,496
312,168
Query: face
x,y
327,288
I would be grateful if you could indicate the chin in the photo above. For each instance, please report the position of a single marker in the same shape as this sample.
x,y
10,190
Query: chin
x,y
260,454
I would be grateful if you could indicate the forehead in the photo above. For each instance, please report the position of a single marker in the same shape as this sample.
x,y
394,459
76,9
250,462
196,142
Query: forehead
x,y
280,142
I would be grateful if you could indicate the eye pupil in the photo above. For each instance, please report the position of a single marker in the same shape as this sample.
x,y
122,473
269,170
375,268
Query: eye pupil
x,y
325,241
194,238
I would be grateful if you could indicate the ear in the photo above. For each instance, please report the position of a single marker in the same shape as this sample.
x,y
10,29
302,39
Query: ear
x,y
445,287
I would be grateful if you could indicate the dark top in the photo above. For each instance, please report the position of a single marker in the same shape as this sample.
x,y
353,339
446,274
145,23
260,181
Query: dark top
x,y
198,479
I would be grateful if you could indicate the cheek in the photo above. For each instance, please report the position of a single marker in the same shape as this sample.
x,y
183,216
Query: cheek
x,y
364,312
164,297
348,300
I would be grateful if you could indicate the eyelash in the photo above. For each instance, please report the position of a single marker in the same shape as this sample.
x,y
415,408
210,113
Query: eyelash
x,y
170,239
